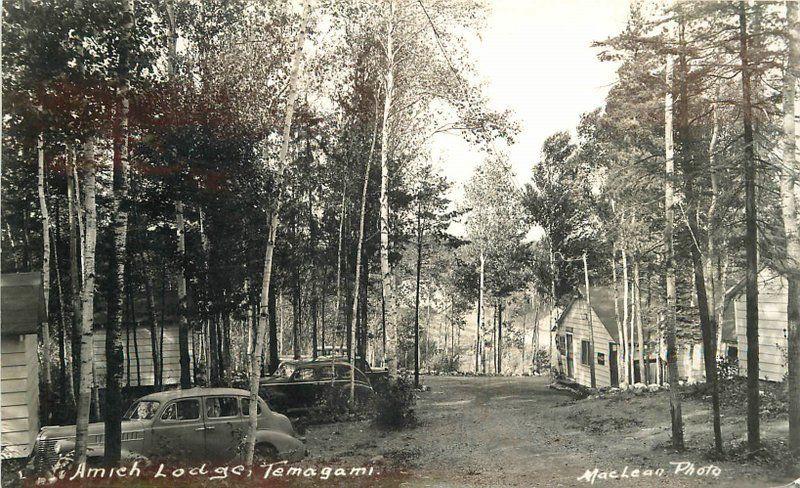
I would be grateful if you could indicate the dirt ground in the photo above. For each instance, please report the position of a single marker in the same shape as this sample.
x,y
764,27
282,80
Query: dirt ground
x,y
515,431
511,431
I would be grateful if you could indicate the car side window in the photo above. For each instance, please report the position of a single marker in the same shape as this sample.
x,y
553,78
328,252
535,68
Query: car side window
x,y
246,407
304,374
324,373
182,410
221,407
342,372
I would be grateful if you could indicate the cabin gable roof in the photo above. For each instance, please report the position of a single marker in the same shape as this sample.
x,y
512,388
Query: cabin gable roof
x,y
602,298
22,303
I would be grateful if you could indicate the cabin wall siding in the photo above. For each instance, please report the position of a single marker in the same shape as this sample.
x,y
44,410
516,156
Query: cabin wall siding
x,y
145,375
691,366
20,394
578,321
772,327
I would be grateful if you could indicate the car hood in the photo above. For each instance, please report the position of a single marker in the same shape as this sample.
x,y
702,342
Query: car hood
x,y
95,428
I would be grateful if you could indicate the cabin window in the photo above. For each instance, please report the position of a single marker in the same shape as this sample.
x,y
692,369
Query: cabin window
x,y
585,346
733,352
601,359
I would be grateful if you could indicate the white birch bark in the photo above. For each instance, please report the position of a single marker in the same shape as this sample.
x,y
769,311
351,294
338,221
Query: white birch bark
x,y
386,278
87,306
669,217
45,267
255,365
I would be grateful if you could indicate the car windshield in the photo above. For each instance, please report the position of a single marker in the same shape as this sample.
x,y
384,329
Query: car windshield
x,y
285,370
142,410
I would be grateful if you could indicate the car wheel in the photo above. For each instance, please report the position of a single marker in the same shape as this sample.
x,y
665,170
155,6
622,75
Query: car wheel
x,y
266,453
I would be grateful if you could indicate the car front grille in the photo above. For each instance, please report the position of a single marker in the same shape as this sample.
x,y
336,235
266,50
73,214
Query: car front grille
x,y
46,453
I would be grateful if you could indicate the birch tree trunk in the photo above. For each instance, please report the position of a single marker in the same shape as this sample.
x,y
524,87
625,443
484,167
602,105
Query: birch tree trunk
x,y
87,308
119,212
669,315
627,337
717,256
183,323
390,322
789,191
338,309
499,346
416,295
47,375
639,329
479,326
255,363
623,347
275,333
359,247
589,312
552,300
152,321
65,378
76,280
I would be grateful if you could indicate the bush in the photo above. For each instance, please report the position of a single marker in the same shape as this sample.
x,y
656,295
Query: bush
x,y
541,360
727,369
448,364
395,403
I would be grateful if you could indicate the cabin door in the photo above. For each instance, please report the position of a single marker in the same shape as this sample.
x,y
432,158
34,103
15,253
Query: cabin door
x,y
613,366
570,357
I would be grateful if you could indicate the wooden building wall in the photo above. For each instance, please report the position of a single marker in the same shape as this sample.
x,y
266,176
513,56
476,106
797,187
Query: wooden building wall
x,y
20,394
772,327
577,322
691,367
145,375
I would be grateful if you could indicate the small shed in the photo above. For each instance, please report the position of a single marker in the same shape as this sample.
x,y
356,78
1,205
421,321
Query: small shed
x,y
137,342
21,313
575,340
773,324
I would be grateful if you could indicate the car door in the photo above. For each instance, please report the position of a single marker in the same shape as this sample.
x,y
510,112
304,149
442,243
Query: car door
x,y
303,387
224,427
179,431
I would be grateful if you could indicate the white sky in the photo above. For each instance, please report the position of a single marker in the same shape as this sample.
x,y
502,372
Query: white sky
x,y
537,59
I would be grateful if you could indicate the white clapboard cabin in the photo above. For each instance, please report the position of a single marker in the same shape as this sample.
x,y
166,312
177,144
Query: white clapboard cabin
x,y
21,312
137,344
773,323
575,340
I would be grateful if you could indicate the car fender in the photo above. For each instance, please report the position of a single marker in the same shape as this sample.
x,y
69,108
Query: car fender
x,y
288,447
65,446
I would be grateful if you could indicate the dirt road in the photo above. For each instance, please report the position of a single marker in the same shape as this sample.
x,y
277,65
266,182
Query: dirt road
x,y
502,431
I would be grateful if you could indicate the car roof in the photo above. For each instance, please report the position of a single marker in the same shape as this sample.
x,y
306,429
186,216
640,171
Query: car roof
x,y
319,363
162,396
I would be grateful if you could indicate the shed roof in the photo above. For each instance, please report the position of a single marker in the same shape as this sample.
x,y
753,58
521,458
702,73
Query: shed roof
x,y
602,298
22,303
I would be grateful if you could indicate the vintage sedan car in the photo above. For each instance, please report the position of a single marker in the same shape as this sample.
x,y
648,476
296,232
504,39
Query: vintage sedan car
x,y
300,386
197,423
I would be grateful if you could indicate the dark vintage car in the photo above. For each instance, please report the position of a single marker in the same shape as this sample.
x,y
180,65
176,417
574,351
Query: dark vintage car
x,y
299,386
198,423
